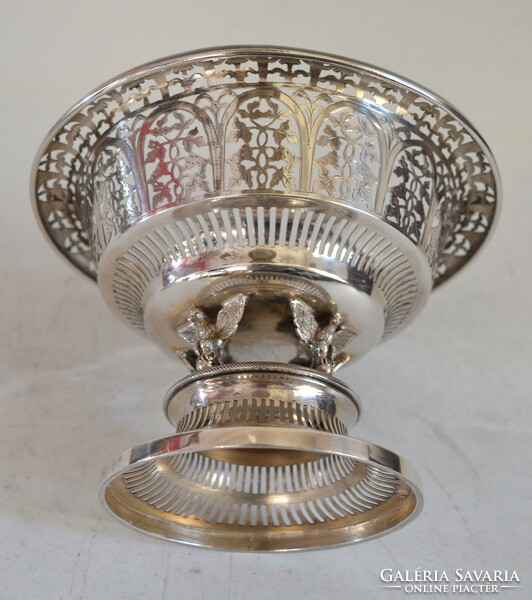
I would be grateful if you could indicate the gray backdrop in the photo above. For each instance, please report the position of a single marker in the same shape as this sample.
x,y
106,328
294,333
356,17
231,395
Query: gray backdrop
x,y
450,393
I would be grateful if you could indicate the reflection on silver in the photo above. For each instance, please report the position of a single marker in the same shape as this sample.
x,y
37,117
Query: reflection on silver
x,y
207,339
268,215
324,342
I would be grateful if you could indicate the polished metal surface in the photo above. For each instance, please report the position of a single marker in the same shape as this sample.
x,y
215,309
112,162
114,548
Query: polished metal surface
x,y
235,120
334,258
252,475
267,393
265,216
297,490
207,339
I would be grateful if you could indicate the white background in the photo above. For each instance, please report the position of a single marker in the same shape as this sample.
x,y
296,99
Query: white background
x,y
451,393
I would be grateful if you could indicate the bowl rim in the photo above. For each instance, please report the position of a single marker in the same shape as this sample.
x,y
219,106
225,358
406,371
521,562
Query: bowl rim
x,y
225,52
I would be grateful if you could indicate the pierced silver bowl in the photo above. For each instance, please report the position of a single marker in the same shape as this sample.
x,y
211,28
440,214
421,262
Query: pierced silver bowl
x,y
265,215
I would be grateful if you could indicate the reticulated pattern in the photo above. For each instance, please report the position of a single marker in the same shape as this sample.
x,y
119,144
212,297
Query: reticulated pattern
x,y
198,488
261,411
274,119
370,254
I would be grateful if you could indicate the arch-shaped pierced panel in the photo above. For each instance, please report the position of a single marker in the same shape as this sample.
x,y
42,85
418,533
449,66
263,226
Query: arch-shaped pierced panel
x,y
263,145
176,158
308,84
347,157
116,201
410,192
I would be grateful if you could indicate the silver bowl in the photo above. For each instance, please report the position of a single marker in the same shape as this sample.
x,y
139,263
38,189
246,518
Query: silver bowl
x,y
264,215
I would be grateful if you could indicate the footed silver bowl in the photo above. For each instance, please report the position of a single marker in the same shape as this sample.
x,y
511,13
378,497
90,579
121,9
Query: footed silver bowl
x,y
265,216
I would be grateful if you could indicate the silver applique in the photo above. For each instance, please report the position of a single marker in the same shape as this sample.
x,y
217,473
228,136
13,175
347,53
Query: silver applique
x,y
206,338
326,342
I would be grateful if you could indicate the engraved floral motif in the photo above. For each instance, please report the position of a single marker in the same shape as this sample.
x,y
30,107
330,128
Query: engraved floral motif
x,y
176,169
56,192
350,169
264,159
116,189
280,136
410,192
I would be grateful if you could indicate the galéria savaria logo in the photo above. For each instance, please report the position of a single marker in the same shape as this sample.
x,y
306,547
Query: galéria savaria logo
x,y
459,581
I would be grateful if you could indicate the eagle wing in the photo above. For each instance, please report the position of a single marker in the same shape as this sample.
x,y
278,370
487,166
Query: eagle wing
x,y
229,316
189,332
342,338
306,324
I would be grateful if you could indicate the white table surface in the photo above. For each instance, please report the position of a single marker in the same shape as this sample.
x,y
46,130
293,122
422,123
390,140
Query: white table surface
x,y
451,393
